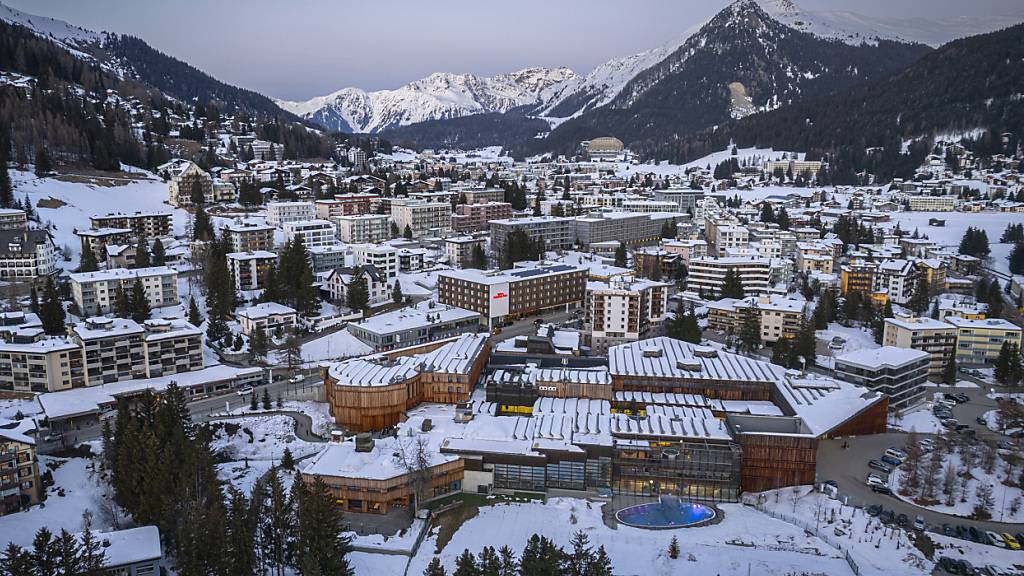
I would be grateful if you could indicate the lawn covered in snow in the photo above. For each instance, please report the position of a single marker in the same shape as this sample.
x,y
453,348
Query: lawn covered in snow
x,y
744,542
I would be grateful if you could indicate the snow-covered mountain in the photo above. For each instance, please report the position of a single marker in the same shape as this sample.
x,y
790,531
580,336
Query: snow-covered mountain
x,y
438,96
57,30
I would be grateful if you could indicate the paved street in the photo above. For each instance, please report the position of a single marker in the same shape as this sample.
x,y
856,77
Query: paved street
x,y
527,326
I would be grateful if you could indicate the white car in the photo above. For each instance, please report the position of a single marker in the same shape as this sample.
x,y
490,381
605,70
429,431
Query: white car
x,y
296,379
245,391
875,480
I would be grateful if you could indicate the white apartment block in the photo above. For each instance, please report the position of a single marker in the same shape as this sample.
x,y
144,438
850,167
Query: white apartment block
x,y
730,236
249,269
708,274
270,317
383,257
312,232
624,309
26,254
363,228
280,212
932,203
94,292
248,236
423,218
459,250
898,278
687,249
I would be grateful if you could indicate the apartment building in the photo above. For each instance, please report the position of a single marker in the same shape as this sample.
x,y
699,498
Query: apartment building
x,y
899,373
26,255
336,283
94,292
97,239
858,276
624,309
182,184
979,341
932,203
19,468
363,228
423,218
898,279
113,349
265,150
629,228
381,256
935,337
270,317
33,363
171,346
477,217
249,237
355,203
814,258
779,317
142,224
687,249
311,232
249,269
459,250
13,219
427,321
794,168
326,258
554,232
730,236
483,195
708,274
501,295
280,212
685,200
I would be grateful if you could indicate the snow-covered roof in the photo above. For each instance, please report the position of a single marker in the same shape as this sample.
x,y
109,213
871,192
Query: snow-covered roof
x,y
421,315
131,546
886,356
255,254
121,274
669,358
918,323
265,309
824,403
986,324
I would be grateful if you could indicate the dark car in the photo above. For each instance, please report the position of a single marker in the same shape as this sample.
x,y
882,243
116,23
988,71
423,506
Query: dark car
x,y
1018,536
890,460
886,516
976,535
874,510
881,489
902,519
831,483
967,568
962,398
947,529
981,420
878,465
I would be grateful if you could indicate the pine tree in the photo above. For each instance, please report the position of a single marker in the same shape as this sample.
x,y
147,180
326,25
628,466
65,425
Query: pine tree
x,y
202,226
265,400
34,299
87,260
142,254
396,293
258,345
435,568
51,312
320,547
26,205
6,191
673,548
159,253
732,287
949,369
1001,370
357,296
407,232
239,536
919,299
620,255
287,460
254,404
488,563
140,309
194,318
479,258
465,565
43,164
750,331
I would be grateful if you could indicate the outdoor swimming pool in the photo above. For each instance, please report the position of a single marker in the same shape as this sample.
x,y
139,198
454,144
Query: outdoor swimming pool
x,y
667,512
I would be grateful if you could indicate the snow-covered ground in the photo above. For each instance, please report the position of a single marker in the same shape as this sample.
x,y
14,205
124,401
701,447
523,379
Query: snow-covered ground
x,y
1005,498
10,407
744,542
82,199
260,438
75,491
318,412
919,420
334,346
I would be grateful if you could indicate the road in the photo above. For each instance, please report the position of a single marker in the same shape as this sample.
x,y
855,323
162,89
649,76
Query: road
x,y
527,326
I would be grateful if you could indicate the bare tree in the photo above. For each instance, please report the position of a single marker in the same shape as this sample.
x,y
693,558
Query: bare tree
x,y
930,481
949,484
414,456
988,457
984,501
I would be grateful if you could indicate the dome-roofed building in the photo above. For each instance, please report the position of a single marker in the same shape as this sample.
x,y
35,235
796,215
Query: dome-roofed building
x,y
605,147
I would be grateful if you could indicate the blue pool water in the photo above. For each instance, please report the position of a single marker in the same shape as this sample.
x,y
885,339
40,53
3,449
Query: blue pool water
x,y
667,512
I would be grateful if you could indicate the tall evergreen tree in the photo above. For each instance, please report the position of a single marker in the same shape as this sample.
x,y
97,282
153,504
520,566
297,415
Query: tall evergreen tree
x,y
202,226
620,255
320,545
142,259
140,309
750,331
87,260
396,293
159,257
51,312
193,312
732,287
43,165
6,190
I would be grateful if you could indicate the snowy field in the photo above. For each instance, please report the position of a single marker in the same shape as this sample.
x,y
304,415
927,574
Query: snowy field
x,y
83,199
318,412
259,438
745,542
335,346
74,492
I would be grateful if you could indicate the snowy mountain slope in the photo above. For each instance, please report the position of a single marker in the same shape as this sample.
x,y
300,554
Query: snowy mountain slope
x,y
56,30
853,28
435,97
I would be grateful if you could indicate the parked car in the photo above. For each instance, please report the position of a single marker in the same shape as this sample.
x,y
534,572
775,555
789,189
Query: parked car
x,y
1019,537
962,532
976,535
296,379
245,391
891,461
1011,542
995,539
875,480
950,565
837,343
831,483
880,466
947,529
962,398
881,489
981,420
874,510
897,454
902,519
919,523
886,516
950,422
